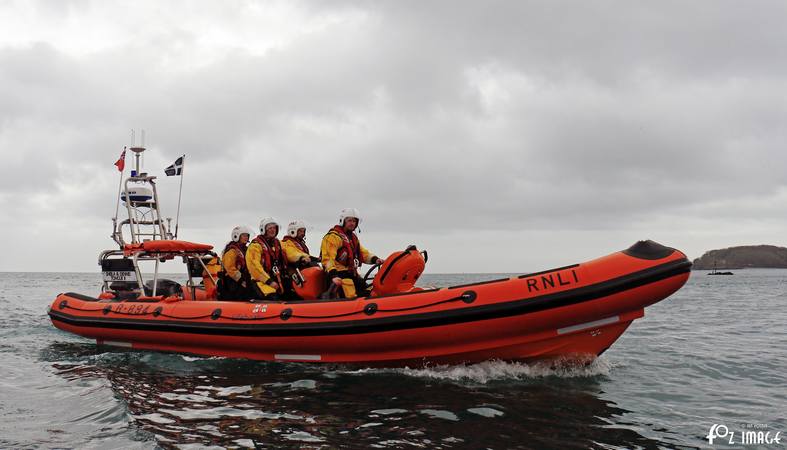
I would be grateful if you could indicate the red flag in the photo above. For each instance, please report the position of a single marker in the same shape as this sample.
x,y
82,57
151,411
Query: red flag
x,y
121,162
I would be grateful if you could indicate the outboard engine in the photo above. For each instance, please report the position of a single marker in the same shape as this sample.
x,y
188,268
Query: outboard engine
x,y
400,272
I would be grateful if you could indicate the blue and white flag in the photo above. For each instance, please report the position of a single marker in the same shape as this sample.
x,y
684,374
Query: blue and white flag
x,y
176,168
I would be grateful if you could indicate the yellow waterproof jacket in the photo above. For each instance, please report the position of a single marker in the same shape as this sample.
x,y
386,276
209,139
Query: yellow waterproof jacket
x,y
233,262
254,263
292,252
334,243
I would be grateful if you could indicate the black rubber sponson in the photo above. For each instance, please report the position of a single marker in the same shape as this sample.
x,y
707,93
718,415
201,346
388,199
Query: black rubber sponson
x,y
648,250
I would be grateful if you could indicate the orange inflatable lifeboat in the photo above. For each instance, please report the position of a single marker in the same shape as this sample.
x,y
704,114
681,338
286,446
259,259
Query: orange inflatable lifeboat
x,y
579,309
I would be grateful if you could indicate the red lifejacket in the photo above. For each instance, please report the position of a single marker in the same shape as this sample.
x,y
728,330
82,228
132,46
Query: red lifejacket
x,y
271,255
300,243
240,262
350,253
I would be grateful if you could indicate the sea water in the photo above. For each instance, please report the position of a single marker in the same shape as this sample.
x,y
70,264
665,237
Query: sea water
x,y
714,354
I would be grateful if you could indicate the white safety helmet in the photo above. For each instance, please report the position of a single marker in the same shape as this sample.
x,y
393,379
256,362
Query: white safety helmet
x,y
349,212
239,230
294,226
268,221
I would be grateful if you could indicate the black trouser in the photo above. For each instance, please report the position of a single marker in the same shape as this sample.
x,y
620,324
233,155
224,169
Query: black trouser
x,y
289,289
229,289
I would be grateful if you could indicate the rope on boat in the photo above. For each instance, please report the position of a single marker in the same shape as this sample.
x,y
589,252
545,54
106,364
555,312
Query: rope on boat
x,y
154,313
461,297
370,308
67,306
205,316
332,316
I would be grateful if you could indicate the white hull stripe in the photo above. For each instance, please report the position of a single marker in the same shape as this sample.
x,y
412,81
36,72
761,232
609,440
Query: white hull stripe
x,y
299,357
114,343
586,325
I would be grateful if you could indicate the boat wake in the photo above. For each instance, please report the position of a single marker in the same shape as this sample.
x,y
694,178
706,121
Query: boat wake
x,y
481,373
493,371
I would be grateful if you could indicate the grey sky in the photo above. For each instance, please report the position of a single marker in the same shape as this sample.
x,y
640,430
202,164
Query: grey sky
x,y
501,136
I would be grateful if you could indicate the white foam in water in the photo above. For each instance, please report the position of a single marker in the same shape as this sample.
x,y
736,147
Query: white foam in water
x,y
396,443
227,391
485,412
189,398
370,424
200,358
298,384
213,413
440,414
303,384
302,436
499,370
386,412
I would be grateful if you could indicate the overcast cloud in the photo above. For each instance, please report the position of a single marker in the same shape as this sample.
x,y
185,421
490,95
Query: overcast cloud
x,y
501,136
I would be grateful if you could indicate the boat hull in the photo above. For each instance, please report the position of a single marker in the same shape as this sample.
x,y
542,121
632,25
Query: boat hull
x,y
574,311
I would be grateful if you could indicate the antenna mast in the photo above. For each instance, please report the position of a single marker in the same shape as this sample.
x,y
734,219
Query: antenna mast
x,y
141,201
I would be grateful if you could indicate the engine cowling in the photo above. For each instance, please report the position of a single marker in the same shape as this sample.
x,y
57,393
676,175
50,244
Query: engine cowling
x,y
399,272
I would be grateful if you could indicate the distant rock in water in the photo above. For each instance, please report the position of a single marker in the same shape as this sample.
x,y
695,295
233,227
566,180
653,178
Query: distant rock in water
x,y
766,256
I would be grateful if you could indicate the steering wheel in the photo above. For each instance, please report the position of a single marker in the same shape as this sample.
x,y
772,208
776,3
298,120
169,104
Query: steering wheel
x,y
368,279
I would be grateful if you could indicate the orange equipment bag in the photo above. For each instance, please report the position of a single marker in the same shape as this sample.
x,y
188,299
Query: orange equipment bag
x,y
312,284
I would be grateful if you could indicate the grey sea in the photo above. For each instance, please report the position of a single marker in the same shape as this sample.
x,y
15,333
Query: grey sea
x,y
709,361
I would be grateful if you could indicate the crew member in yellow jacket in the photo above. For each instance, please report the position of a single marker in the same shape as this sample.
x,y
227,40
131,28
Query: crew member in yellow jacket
x,y
234,282
265,260
342,254
296,252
